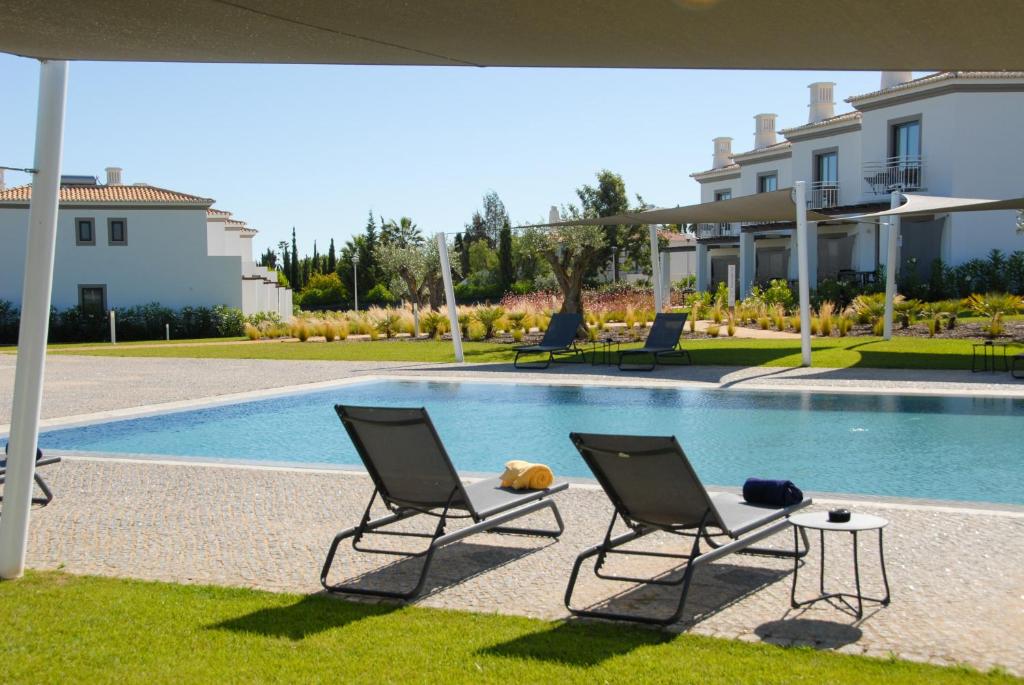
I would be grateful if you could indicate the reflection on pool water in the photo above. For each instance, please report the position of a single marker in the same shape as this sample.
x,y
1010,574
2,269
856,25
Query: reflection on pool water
x,y
957,448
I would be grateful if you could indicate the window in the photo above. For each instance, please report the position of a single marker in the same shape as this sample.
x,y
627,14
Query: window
x,y
92,299
906,141
723,195
85,232
117,231
826,168
768,183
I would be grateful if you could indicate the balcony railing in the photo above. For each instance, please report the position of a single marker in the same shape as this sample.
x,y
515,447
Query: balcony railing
x,y
716,231
894,173
823,195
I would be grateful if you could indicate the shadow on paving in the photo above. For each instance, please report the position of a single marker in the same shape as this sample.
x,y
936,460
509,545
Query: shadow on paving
x,y
309,616
819,634
452,565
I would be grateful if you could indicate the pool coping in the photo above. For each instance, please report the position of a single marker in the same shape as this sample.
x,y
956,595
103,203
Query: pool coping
x,y
179,406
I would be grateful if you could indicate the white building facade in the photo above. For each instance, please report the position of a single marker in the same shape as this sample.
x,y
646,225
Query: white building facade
x,y
955,134
127,245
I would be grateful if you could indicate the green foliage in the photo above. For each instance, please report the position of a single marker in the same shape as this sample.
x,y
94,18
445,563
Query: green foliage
x,y
686,283
433,324
324,291
488,317
380,296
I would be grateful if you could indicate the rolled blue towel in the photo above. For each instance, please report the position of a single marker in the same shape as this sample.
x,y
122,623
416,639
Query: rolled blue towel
x,y
773,493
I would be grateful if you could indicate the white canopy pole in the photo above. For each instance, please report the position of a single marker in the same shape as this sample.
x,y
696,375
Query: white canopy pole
x,y
35,318
449,296
890,265
803,269
656,269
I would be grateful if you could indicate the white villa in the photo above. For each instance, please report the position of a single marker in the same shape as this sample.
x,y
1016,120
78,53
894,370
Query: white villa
x,y
124,245
954,134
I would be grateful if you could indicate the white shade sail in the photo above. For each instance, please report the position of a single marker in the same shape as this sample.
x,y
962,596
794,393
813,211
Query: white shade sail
x,y
922,35
760,207
921,205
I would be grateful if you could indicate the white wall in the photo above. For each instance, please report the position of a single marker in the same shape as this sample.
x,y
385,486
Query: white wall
x,y
851,182
165,260
750,171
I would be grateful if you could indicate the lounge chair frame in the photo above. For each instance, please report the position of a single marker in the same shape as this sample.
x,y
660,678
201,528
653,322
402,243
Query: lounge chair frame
x,y
43,487
657,352
1017,359
556,354
740,541
458,506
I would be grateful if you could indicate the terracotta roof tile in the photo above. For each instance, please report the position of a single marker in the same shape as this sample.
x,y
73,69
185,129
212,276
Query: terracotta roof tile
x,y
940,76
212,211
134,194
839,118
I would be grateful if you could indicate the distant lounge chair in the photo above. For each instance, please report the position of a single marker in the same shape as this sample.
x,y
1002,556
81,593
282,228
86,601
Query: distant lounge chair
x,y
654,488
413,475
662,342
40,461
1017,359
558,340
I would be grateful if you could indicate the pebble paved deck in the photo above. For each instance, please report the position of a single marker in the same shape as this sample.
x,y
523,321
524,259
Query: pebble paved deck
x,y
958,587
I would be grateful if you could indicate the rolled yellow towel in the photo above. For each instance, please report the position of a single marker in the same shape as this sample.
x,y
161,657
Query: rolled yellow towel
x,y
523,475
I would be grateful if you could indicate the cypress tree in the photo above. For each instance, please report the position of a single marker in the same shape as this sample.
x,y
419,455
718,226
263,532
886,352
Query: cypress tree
x,y
315,266
464,255
332,258
295,276
505,268
460,247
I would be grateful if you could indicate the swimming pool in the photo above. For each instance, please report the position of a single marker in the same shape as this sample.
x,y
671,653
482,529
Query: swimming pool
x,y
958,448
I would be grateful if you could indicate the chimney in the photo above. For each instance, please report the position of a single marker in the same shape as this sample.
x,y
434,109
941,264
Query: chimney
x,y
822,105
553,216
895,78
764,130
114,175
723,152
2,186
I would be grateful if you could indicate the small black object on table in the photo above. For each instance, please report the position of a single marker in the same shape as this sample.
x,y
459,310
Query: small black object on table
x,y
856,523
988,355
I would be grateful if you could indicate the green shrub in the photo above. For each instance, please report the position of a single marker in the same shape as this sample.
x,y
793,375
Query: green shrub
x,y
488,317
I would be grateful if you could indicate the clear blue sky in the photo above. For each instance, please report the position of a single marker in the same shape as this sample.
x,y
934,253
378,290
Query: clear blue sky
x,y
318,146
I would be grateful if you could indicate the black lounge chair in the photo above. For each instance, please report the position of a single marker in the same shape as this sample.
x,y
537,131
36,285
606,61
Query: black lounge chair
x,y
662,342
654,488
413,475
558,341
1017,359
40,461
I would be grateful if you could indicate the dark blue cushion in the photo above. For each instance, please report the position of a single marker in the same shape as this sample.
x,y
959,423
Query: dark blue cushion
x,y
772,493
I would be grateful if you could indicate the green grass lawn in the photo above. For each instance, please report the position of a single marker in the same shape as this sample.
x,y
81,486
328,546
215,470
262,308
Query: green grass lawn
x,y
898,353
63,628
71,346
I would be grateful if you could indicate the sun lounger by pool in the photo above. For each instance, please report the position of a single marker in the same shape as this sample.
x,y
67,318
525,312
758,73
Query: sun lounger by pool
x,y
654,488
558,343
662,343
43,487
413,476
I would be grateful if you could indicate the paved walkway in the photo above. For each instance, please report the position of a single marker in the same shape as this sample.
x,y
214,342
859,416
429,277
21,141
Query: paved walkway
x,y
958,591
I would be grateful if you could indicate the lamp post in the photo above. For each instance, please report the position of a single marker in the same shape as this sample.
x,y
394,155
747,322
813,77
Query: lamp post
x,y
355,280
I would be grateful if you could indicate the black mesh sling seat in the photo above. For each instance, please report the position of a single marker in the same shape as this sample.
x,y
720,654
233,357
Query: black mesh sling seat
x,y
413,476
558,343
662,343
654,488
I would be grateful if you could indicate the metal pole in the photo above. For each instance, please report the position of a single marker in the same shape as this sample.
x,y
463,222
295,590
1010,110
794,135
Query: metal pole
x,y
113,328
167,330
35,318
415,320
656,269
890,264
449,296
803,271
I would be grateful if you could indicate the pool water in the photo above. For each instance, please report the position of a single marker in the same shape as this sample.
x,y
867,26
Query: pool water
x,y
957,448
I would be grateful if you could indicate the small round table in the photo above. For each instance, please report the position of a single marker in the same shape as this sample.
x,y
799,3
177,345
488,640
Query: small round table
x,y
818,520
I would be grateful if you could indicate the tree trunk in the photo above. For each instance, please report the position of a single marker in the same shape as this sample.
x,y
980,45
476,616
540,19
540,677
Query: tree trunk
x,y
571,285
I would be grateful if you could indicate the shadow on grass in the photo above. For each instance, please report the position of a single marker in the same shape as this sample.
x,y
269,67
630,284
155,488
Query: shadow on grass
x,y
310,615
578,643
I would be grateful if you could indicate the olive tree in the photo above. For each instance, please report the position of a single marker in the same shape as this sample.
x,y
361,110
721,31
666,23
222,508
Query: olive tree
x,y
414,270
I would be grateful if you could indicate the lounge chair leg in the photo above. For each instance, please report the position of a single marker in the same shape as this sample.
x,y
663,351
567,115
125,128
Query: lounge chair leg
x,y
795,553
547,504
532,365
47,493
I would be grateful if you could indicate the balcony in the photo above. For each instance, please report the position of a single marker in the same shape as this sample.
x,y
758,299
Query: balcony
x,y
894,173
705,231
822,195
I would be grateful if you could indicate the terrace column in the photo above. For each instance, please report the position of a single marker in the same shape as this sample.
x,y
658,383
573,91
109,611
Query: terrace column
x,y
35,318
812,255
803,271
656,269
449,296
702,267
748,263
892,246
